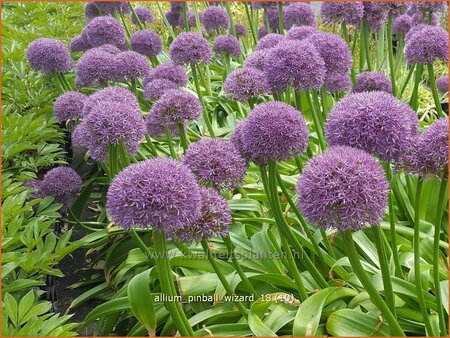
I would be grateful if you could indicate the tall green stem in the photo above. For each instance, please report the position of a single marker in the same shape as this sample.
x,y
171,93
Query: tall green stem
x,y
414,101
170,142
434,90
294,270
362,49
250,23
391,53
280,18
405,83
183,137
200,97
230,15
316,118
185,18
367,45
140,25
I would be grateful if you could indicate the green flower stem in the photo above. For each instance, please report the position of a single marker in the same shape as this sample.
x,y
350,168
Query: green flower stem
x,y
345,32
266,18
391,53
251,104
434,90
414,101
405,83
208,80
127,31
113,167
280,18
250,23
316,118
167,285
294,269
237,266
166,23
64,81
436,252
362,48
358,269
226,66
185,19
59,84
183,137
123,154
323,100
151,145
141,26
367,44
200,97
242,309
141,245
197,17
230,15
170,142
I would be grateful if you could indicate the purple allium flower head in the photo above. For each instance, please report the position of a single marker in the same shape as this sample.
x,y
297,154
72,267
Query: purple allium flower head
x,y
173,18
227,45
344,188
262,4
153,90
80,136
257,59
300,33
110,122
299,14
427,45
145,15
271,16
94,66
78,44
350,12
397,8
422,17
442,83
375,14
237,140
401,24
334,51
414,30
91,10
111,49
274,131
428,6
105,30
215,18
107,7
215,218
111,94
372,81
33,184
131,65
241,30
376,122
146,42
246,83
295,64
216,162
190,48
190,18
269,41
159,193
168,71
49,56
338,82
69,106
262,32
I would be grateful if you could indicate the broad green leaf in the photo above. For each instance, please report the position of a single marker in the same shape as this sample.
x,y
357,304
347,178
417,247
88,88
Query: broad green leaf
x,y
348,322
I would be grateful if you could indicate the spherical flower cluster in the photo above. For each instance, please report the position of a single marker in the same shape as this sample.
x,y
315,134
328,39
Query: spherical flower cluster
x,y
414,30
69,106
401,24
80,137
376,122
344,188
111,49
190,19
257,59
153,90
91,10
372,81
159,193
215,17
429,6
274,131
146,42
269,41
246,83
237,140
95,66
190,48
442,83
397,8
262,4
271,16
145,15
227,45
215,218
216,162
111,94
375,14
168,71
350,12
299,14
423,17
262,32
108,7
49,56
104,30
338,82
131,65
300,33
241,30
427,45
173,18
78,44
295,64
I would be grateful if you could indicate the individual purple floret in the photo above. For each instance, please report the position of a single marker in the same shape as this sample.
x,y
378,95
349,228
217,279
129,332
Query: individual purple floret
x,y
215,218
401,24
160,193
49,56
300,33
274,131
190,48
427,45
190,19
257,59
111,94
145,15
227,45
246,83
95,66
344,188
376,122
69,106
442,83
146,42
216,162
338,82
105,30
153,90
215,18
269,41
78,44
299,14
375,14
295,64
262,32
371,82
173,18
241,30
91,10
131,65
168,71
350,12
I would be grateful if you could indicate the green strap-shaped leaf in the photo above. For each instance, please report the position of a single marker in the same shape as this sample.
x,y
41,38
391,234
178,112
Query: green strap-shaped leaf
x,y
348,322
141,301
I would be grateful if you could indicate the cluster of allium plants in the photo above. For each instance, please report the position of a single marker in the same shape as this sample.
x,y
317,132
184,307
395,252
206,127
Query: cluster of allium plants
x,y
273,156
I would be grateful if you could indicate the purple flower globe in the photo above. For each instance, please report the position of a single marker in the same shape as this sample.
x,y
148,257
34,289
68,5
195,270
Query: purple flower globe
x,y
80,137
350,12
215,218
49,56
401,24
423,18
146,42
168,71
257,59
91,10
153,90
427,45
78,44
131,65
375,14
69,106
414,30
262,4
301,33
299,14
95,66
216,162
246,83
271,16
237,140
105,30
173,18
108,7
376,122
262,32
176,6
190,18
111,49
227,45
338,82
143,14
442,83
372,81
274,131
159,193
215,17
429,6
241,30
269,41
190,48
295,64
111,94
344,188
